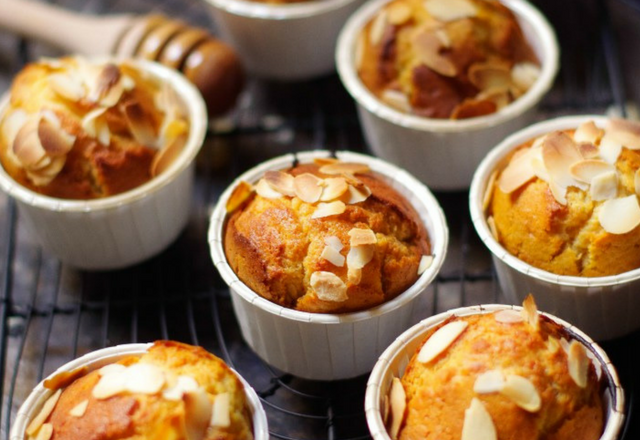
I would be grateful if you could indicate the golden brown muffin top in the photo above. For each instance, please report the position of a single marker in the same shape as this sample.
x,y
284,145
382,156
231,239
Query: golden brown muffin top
x,y
445,58
77,129
506,375
174,391
567,202
328,237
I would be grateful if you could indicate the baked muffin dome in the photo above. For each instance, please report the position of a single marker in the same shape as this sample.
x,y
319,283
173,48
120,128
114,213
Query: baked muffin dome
x,y
78,129
445,58
567,202
505,375
174,391
327,237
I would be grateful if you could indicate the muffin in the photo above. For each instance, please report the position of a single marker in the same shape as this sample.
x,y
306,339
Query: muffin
x,y
325,237
446,59
172,390
567,202
78,129
490,372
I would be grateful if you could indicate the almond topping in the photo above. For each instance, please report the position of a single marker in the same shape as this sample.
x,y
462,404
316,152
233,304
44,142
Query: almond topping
x,y
530,312
239,195
334,187
624,132
559,153
167,155
220,415
450,10
491,223
587,170
281,182
398,402
27,146
308,187
517,173
588,133
428,47
263,189
320,161
139,123
378,26
478,424
636,181
441,340
144,379
79,409
89,121
621,215
344,168
45,432
522,392
360,236
490,75
64,378
66,86
508,316
53,140
588,151
604,186
111,369
183,384
45,412
396,99
198,413
328,286
108,88
398,13
578,363
559,192
334,242
12,124
110,384
333,256
425,263
610,149
524,75
354,276
491,381
329,209
356,195
359,256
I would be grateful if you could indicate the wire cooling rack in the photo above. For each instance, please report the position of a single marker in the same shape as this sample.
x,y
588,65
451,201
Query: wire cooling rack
x,y
50,313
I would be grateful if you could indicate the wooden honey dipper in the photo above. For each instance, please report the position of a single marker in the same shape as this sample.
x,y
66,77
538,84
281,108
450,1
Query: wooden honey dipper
x,y
212,66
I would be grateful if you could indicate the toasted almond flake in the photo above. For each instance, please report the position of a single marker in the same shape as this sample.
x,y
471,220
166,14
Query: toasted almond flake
x,y
64,378
488,192
428,50
12,124
530,312
139,123
624,132
398,13
263,189
344,168
443,36
425,263
518,172
239,195
66,86
508,316
604,186
334,187
198,413
398,404
354,276
220,416
111,369
144,378
385,410
559,192
182,385
334,242
356,195
328,286
110,384
491,381
89,121
53,140
333,256
478,424
45,432
588,133
329,209
26,145
621,215
565,345
45,412
167,155
128,83
609,149
636,181
441,340
320,161
578,363
498,95
588,151
79,409
490,75
281,182
559,153
595,363
396,99
587,170
491,223
361,236
359,256
378,26
450,10
524,75
308,187
522,392
107,81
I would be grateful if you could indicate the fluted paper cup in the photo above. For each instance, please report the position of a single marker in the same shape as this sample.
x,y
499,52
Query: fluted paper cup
x,y
325,346
396,357
98,359
124,229
604,307
292,41
443,153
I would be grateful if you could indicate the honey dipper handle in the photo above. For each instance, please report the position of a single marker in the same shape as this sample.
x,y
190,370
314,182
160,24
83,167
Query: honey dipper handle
x,y
71,32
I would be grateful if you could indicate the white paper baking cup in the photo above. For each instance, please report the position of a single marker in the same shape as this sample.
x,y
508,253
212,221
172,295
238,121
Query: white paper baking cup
x,y
99,358
603,307
127,228
395,359
443,153
293,41
325,346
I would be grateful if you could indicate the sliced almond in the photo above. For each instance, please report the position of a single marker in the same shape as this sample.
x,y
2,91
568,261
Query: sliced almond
x,y
198,413
308,187
398,13
491,223
334,187
425,263
530,312
333,256
53,140
328,286
107,79
624,132
588,151
398,403
621,215
263,189
220,416
443,36
378,26
66,86
396,99
517,173
139,123
565,345
361,236
45,432
79,409
356,194
450,10
12,123
478,424
524,75
26,145
636,181
578,363
354,276
64,378
344,168
489,75
329,209
508,316
587,170
559,153
334,242
167,155
43,415
240,193
441,340
281,182
385,410
320,161
522,392
111,369
89,121
604,186
144,379
609,149
491,381
588,133
428,50
359,256
499,96
182,385
110,385
559,192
